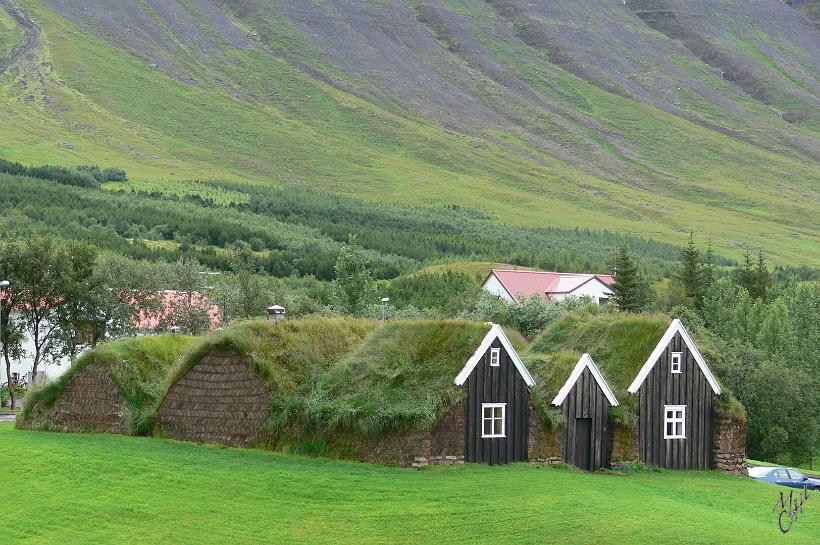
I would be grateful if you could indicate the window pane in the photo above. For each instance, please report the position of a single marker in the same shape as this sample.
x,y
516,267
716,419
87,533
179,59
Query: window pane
x,y
679,428
497,427
669,428
488,427
488,412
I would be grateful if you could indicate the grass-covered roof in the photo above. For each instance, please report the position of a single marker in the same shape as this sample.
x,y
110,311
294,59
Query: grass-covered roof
x,y
287,354
401,376
619,343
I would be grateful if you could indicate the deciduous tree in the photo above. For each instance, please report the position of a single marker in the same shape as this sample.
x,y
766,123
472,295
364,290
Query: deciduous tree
x,y
354,287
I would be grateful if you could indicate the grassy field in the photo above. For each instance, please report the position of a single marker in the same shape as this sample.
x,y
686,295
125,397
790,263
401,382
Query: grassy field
x,y
580,155
98,489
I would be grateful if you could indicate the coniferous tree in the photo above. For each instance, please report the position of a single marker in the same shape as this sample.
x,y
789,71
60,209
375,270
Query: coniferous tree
x,y
630,287
708,268
762,277
746,274
690,273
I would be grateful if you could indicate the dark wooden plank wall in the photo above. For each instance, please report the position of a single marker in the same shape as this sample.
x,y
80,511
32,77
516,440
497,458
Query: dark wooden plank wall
x,y
689,388
502,384
586,400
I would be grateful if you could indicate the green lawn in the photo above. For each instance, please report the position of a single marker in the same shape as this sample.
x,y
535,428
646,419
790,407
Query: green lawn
x,y
62,488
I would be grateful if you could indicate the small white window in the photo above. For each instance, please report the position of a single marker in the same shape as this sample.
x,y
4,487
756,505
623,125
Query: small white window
x,y
674,422
676,362
492,419
495,357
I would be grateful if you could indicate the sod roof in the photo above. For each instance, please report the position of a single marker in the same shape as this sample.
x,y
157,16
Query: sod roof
x,y
287,354
618,343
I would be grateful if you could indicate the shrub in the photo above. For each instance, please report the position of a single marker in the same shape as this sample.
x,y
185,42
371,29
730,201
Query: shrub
x,y
81,176
531,316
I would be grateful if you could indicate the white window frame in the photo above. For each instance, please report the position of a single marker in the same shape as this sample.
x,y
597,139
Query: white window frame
x,y
495,357
674,420
494,417
676,366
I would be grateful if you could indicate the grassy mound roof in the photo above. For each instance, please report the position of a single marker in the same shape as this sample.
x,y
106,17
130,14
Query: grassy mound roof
x,y
619,343
400,377
286,355
137,365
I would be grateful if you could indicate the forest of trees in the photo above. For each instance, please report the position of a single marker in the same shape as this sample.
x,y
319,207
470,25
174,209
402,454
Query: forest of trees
x,y
300,232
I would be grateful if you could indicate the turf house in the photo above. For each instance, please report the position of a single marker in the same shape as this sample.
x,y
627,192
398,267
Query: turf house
x,y
221,391
664,404
112,388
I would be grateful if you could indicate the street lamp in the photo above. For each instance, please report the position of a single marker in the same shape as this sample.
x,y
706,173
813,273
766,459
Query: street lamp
x,y
3,285
384,302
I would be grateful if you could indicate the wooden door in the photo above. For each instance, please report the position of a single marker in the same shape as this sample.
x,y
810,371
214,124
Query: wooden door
x,y
583,444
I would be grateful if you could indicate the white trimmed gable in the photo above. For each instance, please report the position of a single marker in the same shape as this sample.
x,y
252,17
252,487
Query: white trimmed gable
x,y
585,363
495,333
493,285
675,327
594,288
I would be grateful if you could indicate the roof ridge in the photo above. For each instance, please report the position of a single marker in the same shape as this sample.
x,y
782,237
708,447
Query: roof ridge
x,y
549,272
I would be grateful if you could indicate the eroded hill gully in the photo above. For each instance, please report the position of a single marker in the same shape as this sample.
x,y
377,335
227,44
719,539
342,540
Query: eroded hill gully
x,y
31,39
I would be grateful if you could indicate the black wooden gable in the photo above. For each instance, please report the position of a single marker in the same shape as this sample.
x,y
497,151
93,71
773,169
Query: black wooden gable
x,y
502,384
585,400
676,379
496,402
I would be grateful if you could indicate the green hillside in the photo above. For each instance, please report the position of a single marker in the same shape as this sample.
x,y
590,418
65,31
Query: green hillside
x,y
605,116
90,489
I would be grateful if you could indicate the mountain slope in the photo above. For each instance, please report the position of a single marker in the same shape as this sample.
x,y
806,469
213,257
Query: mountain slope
x,y
646,116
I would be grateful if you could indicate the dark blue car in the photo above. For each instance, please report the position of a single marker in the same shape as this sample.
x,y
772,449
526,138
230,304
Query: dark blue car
x,y
785,476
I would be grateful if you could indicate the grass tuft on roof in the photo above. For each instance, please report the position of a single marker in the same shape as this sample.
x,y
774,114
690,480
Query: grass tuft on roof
x,y
287,354
401,377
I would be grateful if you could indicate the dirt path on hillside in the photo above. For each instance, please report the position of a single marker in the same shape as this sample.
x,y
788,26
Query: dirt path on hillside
x,y
30,41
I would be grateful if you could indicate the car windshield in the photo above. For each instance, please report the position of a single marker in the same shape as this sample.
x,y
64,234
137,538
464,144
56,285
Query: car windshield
x,y
795,474
781,475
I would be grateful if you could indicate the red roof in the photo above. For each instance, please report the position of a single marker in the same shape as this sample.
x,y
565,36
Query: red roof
x,y
523,284
151,319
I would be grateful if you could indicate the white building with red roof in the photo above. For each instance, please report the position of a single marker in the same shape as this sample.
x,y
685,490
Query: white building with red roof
x,y
518,285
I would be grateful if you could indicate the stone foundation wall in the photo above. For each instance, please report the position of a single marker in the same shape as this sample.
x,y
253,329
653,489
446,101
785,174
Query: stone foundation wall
x,y
729,447
418,448
543,444
624,444
90,402
219,400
